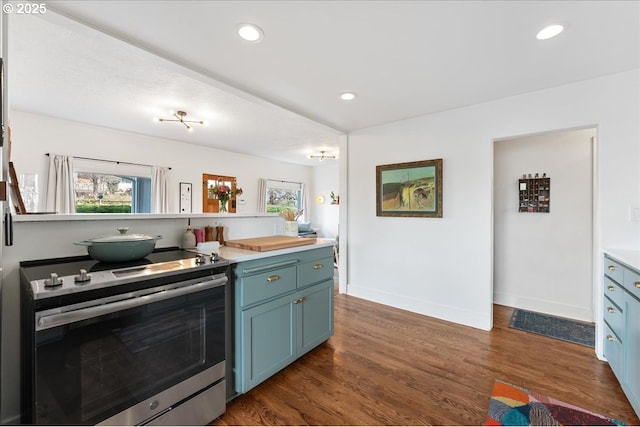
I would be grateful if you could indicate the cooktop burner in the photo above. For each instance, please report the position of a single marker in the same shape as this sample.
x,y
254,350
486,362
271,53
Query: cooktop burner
x,y
61,276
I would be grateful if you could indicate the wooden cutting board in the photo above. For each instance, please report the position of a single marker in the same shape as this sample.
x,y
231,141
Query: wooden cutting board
x,y
269,243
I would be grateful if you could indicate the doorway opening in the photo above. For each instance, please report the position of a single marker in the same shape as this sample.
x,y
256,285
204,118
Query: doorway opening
x,y
543,260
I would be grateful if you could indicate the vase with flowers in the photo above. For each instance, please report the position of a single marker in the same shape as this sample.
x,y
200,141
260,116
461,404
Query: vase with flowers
x,y
291,221
223,193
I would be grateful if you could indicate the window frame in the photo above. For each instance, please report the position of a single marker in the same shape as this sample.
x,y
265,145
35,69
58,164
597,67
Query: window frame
x,y
140,176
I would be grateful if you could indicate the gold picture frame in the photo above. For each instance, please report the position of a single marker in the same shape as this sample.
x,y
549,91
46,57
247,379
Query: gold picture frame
x,y
412,189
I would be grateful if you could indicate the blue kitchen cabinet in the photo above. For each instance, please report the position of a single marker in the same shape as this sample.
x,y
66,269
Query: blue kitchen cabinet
x,y
284,308
632,361
268,344
315,316
621,312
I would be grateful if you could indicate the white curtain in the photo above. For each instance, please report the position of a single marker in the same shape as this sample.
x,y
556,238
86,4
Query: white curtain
x,y
159,193
61,197
306,215
262,195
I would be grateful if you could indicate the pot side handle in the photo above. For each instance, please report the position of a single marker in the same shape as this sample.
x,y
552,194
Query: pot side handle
x,y
83,243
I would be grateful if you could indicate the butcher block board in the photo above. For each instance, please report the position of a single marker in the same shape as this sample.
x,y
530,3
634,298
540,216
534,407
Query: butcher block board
x,y
269,243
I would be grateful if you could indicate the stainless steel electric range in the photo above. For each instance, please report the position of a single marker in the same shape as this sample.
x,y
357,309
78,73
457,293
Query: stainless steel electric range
x,y
124,344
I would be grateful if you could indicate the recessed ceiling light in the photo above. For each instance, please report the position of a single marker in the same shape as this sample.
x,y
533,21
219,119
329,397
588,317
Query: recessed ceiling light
x,y
347,96
250,32
549,32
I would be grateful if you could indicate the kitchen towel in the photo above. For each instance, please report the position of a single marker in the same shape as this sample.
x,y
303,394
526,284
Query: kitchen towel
x,y
208,247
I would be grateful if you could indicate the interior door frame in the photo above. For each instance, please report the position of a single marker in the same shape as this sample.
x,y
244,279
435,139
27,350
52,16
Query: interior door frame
x,y
595,228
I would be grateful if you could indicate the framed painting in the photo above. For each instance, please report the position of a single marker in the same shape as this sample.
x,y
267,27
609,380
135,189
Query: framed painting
x,y
410,189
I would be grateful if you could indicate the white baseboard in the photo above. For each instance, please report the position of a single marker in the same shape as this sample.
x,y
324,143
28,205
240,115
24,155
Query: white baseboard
x,y
544,306
475,319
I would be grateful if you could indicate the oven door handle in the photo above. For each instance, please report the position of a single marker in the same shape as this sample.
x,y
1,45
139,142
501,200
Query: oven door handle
x,y
60,319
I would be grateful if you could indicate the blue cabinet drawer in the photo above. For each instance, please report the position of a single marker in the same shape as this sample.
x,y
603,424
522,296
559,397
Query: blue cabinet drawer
x,y
632,282
613,351
267,285
315,271
614,292
614,316
613,269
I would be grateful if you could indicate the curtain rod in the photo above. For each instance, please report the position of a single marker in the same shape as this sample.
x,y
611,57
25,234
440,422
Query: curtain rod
x,y
110,161
288,182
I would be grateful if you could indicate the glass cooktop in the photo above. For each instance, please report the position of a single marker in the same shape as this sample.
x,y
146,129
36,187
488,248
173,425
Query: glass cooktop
x,y
67,271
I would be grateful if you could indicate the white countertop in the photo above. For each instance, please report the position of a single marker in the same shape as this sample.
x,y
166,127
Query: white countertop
x,y
626,256
235,255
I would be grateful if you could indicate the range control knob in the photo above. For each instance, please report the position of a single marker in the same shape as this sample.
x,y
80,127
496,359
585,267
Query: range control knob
x,y
201,259
82,277
53,281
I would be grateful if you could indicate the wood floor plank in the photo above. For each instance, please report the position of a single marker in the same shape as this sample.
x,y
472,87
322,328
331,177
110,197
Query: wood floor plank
x,y
386,366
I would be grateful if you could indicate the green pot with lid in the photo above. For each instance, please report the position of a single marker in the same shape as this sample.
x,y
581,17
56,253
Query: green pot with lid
x,y
120,247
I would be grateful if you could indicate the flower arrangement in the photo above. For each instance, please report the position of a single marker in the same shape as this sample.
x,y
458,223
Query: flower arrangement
x,y
223,193
291,215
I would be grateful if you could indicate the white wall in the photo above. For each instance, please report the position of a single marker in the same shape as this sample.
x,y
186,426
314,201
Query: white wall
x,y
543,261
34,135
444,267
326,178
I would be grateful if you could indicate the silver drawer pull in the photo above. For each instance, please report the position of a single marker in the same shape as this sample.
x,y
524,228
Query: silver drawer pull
x,y
298,301
611,288
611,309
317,266
612,268
610,338
273,278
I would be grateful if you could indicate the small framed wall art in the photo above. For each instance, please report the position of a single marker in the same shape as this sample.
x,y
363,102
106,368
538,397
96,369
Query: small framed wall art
x,y
534,194
410,189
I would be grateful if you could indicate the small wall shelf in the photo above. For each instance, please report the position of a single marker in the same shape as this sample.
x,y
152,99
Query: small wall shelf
x,y
534,194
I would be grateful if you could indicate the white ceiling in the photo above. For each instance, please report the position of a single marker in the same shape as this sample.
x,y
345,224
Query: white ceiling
x,y
280,98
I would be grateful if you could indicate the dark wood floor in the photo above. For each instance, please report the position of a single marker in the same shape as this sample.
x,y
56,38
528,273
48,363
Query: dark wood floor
x,y
386,366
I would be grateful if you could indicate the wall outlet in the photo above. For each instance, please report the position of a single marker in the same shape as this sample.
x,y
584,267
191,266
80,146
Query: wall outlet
x,y
634,214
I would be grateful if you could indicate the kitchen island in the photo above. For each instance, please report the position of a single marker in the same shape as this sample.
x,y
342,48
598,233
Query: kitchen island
x,y
282,305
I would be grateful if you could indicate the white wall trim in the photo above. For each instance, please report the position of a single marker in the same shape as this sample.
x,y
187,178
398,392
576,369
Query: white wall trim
x,y
449,313
540,305
343,230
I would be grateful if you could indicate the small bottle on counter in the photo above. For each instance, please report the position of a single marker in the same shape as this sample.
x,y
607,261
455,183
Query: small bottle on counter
x,y
208,234
188,240
199,232
220,234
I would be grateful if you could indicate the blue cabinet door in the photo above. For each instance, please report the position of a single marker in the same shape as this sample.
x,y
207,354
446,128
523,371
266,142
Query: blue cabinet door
x,y
632,352
315,316
268,340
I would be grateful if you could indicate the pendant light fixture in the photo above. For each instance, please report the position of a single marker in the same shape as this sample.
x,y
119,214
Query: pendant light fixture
x,y
321,156
179,118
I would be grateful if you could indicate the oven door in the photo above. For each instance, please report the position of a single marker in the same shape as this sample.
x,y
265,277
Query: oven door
x,y
97,360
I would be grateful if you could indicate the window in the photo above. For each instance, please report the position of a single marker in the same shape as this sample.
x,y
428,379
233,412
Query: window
x,y
101,188
283,195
